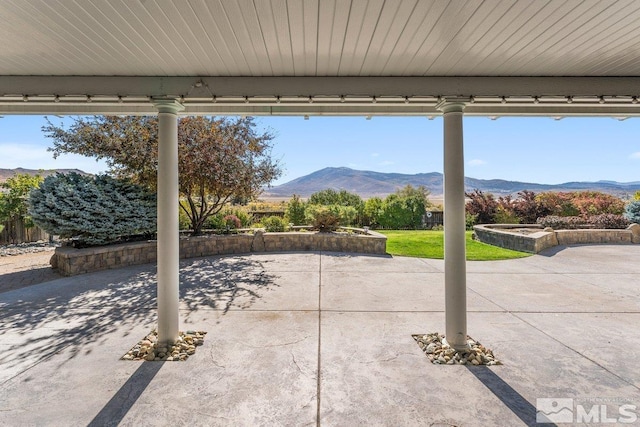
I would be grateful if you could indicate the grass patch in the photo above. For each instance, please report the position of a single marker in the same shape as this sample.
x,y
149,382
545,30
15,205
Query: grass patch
x,y
430,244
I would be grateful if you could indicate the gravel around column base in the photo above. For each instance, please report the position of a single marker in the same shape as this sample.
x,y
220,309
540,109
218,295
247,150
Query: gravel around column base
x,y
442,354
148,348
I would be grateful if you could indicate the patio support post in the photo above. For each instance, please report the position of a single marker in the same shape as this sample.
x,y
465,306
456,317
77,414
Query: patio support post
x,y
455,272
168,237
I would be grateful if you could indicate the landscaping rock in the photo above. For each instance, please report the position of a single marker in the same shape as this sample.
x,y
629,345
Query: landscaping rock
x,y
440,353
149,350
27,248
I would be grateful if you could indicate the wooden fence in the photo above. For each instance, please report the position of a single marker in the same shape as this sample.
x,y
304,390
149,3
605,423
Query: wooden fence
x,y
432,219
15,232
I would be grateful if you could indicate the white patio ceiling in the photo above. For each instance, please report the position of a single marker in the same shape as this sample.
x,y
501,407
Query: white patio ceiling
x,y
550,57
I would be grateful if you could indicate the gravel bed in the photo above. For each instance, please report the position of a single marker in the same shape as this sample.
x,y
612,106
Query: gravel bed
x,y
440,353
148,348
28,248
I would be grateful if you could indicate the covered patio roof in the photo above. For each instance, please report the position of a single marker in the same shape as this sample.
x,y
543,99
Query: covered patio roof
x,y
331,57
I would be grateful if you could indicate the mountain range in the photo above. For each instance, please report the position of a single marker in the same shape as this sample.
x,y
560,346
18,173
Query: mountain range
x,y
8,173
369,184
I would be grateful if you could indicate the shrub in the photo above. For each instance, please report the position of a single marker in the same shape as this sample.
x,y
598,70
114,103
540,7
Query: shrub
x,y
323,218
528,209
295,211
92,210
372,211
562,222
558,204
214,222
608,220
246,218
232,222
274,224
505,216
470,220
632,211
596,203
482,205
332,197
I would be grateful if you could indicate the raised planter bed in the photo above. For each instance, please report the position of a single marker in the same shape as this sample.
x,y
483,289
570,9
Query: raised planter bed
x,y
532,238
71,261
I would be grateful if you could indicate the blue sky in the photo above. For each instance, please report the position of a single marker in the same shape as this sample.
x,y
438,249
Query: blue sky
x,y
528,149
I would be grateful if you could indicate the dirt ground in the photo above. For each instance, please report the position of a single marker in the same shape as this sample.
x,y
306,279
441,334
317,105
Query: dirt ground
x,y
18,271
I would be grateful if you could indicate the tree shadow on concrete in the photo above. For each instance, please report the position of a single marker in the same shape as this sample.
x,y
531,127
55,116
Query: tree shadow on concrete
x,y
77,313
507,395
224,283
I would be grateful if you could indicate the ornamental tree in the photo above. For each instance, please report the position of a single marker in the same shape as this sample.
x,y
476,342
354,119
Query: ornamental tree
x,y
482,205
219,159
92,210
13,201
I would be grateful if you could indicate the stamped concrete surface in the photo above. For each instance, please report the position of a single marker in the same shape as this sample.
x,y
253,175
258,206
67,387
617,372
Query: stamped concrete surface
x,y
324,339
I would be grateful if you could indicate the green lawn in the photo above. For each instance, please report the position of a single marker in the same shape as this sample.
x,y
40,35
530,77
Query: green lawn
x,y
430,244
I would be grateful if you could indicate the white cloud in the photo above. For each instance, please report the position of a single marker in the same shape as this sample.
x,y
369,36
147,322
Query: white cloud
x,y
635,155
31,156
476,162
386,163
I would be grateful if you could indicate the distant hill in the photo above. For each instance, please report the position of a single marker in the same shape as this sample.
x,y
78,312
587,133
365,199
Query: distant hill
x,y
369,184
8,173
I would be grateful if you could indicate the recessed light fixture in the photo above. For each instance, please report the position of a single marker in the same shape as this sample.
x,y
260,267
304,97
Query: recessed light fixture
x,y
306,117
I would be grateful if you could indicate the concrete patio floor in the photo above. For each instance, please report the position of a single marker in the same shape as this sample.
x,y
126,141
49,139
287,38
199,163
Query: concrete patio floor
x,y
325,339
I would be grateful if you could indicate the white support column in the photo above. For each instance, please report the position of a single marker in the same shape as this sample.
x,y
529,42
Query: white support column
x,y
455,272
168,237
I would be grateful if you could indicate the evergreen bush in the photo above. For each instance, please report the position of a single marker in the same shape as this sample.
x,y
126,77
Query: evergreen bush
x,y
632,211
92,211
274,224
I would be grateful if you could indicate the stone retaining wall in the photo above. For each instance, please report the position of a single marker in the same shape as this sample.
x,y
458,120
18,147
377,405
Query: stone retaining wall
x,y
499,235
70,261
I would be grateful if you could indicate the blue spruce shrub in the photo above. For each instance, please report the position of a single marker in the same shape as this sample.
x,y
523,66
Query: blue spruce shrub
x,y
92,211
632,211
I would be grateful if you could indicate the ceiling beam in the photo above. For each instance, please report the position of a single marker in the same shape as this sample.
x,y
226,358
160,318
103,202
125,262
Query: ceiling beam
x,y
318,86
